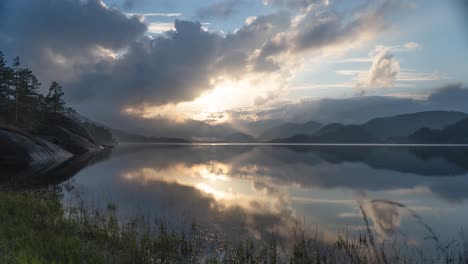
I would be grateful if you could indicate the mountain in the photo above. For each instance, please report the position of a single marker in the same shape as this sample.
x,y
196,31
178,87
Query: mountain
x,y
334,133
425,127
255,128
125,137
239,138
453,134
405,125
330,128
290,129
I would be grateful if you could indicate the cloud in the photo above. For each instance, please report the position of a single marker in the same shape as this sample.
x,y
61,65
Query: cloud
x,y
105,62
220,9
386,218
320,25
452,96
261,100
292,3
160,27
384,70
412,45
176,67
155,14
169,69
60,39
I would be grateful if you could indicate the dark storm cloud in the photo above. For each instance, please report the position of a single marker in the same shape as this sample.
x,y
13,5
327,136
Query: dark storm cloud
x,y
159,71
57,38
178,66
74,41
453,95
220,9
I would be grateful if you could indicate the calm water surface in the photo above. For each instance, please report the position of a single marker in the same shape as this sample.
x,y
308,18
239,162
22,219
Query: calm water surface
x,y
256,189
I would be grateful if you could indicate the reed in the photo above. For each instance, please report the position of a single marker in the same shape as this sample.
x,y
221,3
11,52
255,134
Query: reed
x,y
36,228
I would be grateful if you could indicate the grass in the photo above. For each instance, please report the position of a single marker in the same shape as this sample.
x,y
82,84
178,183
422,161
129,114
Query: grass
x,y
36,228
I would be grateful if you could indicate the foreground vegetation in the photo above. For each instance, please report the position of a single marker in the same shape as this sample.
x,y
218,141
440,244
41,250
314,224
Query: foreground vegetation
x,y
36,228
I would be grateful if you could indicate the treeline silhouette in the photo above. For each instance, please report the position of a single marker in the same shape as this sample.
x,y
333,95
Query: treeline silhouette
x,y
21,102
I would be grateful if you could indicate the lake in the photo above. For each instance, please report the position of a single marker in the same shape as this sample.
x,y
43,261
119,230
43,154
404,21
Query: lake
x,y
249,190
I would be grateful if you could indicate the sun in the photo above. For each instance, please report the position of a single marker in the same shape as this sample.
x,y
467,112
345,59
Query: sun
x,y
215,100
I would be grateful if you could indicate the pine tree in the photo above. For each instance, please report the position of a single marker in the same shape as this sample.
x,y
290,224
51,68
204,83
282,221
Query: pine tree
x,y
21,102
15,82
28,95
25,93
54,99
5,81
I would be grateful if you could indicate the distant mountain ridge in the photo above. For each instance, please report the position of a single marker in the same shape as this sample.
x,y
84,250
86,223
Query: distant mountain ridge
x,y
333,134
240,138
393,129
400,128
453,134
256,128
406,124
290,129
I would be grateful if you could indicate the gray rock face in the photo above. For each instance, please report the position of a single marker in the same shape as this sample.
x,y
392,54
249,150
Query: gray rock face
x,y
72,142
18,148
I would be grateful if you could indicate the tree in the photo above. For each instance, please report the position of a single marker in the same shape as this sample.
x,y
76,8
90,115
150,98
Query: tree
x,y
54,99
28,95
25,93
21,102
3,83
16,85
5,80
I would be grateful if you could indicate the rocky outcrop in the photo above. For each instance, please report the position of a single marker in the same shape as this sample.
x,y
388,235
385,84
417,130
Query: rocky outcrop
x,y
27,157
57,143
21,149
72,135
71,141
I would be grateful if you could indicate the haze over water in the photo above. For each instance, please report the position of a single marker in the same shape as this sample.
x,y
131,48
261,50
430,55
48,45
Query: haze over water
x,y
243,191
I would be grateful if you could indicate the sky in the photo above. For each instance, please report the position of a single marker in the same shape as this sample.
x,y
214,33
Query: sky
x,y
157,62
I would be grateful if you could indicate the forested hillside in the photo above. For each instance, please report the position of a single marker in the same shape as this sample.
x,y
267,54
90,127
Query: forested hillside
x,y
23,105
36,126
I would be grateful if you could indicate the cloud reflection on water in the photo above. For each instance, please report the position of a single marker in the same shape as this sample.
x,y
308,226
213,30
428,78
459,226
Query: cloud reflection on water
x,y
261,189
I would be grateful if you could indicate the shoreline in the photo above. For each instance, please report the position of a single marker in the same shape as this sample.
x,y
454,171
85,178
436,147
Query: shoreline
x,y
295,144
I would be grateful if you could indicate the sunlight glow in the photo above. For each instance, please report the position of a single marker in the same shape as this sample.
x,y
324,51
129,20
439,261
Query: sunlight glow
x,y
214,107
219,181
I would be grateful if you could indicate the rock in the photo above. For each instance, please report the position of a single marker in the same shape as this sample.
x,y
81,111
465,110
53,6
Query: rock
x,y
70,141
71,135
22,149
